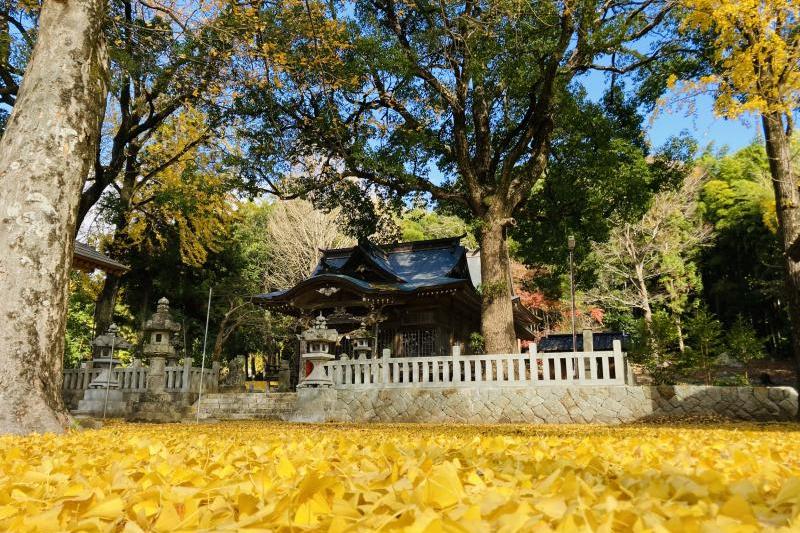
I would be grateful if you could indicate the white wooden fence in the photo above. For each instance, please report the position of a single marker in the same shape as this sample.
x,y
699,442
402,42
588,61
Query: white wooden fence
x,y
522,370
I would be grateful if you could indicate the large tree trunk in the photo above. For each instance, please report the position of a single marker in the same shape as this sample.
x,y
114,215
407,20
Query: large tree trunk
x,y
497,313
787,207
47,151
104,308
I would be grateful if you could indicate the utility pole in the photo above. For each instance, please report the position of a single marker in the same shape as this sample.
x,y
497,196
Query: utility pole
x,y
571,246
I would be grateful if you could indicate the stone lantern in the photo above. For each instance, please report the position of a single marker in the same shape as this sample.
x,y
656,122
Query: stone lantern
x,y
319,341
361,340
103,394
160,335
104,352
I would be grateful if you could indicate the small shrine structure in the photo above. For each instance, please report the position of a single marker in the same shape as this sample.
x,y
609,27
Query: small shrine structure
x,y
416,299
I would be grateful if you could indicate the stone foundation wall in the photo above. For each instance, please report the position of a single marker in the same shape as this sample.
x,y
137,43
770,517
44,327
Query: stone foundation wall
x,y
554,404
248,406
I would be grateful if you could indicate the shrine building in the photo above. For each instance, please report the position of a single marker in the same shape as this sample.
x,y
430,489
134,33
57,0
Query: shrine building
x,y
416,298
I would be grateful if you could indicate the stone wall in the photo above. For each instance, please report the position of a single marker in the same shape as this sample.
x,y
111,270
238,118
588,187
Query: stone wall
x,y
553,404
248,406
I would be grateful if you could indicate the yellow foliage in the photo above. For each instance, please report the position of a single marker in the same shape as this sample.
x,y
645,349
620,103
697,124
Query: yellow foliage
x,y
414,478
756,54
188,196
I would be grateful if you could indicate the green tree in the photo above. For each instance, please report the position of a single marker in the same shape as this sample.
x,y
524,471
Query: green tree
x,y
419,223
80,331
705,342
742,269
752,56
743,344
654,346
458,101
601,174
651,264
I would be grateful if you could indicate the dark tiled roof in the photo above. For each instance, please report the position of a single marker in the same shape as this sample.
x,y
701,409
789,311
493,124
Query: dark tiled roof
x,y
409,266
85,257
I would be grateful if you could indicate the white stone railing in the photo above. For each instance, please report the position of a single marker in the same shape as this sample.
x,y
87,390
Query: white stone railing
x,y
184,378
456,370
133,378
79,378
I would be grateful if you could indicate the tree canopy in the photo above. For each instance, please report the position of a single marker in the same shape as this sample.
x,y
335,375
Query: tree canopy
x,y
457,100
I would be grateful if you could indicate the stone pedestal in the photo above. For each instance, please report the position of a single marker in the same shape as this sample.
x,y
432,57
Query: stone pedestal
x,y
160,408
94,399
156,376
314,404
317,376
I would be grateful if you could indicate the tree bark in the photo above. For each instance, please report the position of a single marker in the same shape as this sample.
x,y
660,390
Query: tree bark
x,y
104,308
787,207
644,295
46,153
497,312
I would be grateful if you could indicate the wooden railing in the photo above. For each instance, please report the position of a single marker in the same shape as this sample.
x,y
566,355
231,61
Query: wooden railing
x,y
526,369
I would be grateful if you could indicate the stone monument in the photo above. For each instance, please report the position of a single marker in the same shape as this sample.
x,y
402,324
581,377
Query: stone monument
x,y
319,340
237,375
160,335
103,397
159,350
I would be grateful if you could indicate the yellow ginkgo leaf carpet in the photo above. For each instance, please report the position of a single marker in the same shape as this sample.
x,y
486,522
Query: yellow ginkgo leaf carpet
x,y
262,476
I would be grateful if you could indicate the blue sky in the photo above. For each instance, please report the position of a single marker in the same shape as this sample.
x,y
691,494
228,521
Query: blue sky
x,y
704,127
700,122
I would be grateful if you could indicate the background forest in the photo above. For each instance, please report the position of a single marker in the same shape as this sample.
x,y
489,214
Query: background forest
x,y
238,140
706,245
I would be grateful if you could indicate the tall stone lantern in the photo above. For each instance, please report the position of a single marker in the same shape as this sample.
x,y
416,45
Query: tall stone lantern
x,y
160,335
319,341
159,347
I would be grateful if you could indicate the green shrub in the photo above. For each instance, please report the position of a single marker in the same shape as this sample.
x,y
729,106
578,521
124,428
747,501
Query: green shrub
x,y
743,344
704,336
476,344
655,346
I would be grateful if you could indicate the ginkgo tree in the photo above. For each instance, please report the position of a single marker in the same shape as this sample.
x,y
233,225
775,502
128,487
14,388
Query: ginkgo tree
x,y
752,52
189,202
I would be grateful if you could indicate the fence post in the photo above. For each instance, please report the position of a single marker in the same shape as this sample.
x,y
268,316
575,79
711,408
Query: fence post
x,y
87,375
455,377
387,354
532,349
619,364
187,374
